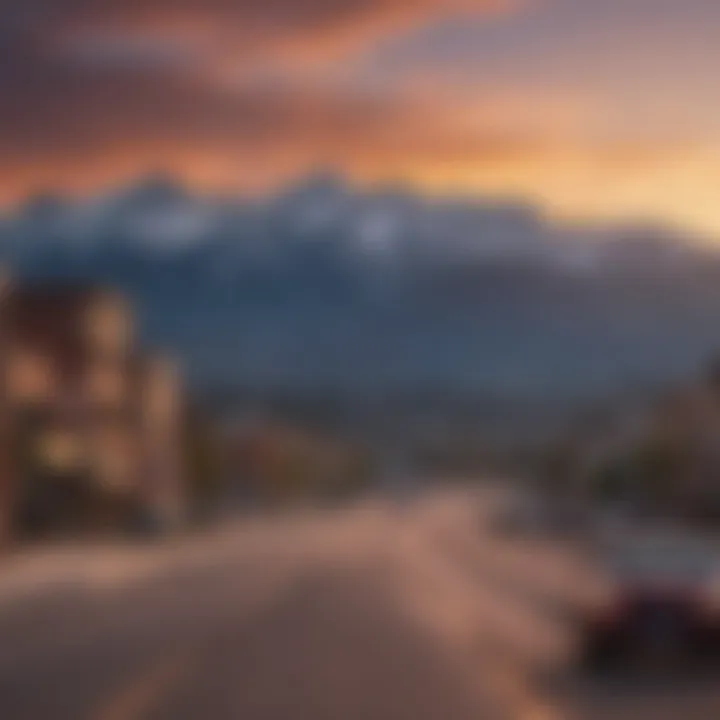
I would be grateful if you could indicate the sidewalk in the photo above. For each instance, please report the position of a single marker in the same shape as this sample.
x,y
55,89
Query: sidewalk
x,y
71,567
110,565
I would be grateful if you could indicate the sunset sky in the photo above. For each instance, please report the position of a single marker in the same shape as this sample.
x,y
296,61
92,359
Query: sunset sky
x,y
595,108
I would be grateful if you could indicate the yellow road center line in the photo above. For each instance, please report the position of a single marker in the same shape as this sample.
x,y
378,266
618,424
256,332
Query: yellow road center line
x,y
135,700
515,694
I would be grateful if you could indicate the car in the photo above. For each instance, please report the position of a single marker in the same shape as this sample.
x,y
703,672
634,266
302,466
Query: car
x,y
654,602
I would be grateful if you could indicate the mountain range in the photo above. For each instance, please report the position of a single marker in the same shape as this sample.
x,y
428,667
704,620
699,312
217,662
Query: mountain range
x,y
325,286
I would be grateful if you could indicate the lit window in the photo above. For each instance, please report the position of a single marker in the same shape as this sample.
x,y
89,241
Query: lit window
x,y
109,326
161,393
105,385
115,457
30,377
60,451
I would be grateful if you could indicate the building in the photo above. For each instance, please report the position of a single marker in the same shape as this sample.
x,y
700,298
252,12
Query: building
x,y
89,426
664,457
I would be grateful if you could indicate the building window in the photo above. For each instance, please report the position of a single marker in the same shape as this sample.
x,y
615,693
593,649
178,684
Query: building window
x,y
161,398
109,326
60,451
30,377
105,385
115,459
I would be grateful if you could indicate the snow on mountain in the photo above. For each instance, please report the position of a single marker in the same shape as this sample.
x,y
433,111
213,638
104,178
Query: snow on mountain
x,y
385,225
322,283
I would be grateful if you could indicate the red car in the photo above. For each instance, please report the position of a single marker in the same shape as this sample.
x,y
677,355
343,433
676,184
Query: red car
x,y
657,600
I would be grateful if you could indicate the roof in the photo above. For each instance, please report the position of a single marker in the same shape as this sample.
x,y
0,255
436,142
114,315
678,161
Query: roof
x,y
49,317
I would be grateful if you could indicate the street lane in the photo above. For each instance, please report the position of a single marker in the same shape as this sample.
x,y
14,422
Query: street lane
x,y
331,648
293,619
376,611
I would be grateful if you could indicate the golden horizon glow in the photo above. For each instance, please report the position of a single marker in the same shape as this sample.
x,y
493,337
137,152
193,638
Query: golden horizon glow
x,y
677,191
594,111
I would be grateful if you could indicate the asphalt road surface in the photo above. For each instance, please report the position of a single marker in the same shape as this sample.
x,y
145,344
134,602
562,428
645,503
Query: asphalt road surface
x,y
380,611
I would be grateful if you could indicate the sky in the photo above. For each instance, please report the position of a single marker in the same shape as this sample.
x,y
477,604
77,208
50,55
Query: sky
x,y
604,109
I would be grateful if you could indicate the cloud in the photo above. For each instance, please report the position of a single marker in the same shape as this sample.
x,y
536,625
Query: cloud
x,y
244,93
81,129
92,82
246,30
80,126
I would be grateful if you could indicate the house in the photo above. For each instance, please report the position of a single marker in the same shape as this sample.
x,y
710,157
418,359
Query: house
x,y
89,425
664,456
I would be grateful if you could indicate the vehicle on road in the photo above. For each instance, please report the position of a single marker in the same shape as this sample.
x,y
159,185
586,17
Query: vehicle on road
x,y
657,601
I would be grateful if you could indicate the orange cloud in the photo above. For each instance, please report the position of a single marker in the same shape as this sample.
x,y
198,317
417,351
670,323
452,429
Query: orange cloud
x,y
255,139
232,31
121,109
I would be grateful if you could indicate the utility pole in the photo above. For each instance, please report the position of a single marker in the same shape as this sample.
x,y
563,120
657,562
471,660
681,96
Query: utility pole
x,y
7,490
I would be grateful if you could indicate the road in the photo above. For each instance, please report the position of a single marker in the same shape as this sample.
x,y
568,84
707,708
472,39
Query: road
x,y
380,611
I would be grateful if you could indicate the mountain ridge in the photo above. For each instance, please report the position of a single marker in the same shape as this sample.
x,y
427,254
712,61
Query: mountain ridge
x,y
323,285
